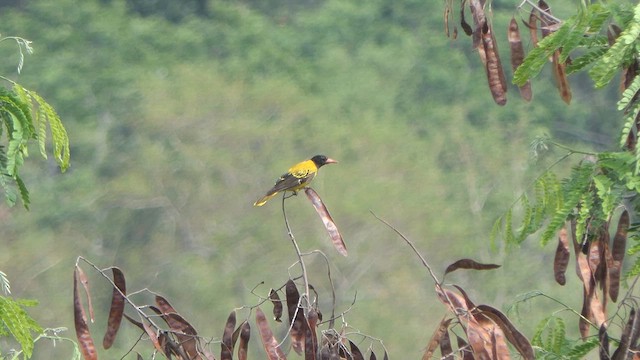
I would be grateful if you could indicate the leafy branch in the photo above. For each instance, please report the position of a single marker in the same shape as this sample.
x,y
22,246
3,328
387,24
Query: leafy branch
x,y
16,322
26,116
24,45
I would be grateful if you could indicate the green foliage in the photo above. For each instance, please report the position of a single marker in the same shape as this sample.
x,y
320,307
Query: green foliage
x,y
17,323
598,184
589,196
583,32
634,250
580,349
551,341
631,109
25,116
550,201
4,283
620,54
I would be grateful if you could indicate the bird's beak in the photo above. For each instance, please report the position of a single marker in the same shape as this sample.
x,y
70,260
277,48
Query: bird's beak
x,y
331,161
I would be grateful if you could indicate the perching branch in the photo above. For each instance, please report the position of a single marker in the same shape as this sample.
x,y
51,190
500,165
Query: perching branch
x,y
303,267
413,247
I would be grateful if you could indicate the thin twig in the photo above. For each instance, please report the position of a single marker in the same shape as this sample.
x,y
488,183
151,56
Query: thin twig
x,y
137,308
542,11
126,298
439,289
571,150
297,248
133,346
368,337
333,288
628,297
530,295
413,247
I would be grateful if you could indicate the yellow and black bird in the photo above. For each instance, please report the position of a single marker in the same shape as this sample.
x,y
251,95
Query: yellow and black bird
x,y
298,176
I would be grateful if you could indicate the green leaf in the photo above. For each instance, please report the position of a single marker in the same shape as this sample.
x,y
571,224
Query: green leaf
x,y
24,193
17,110
558,338
629,122
629,94
536,339
573,190
581,349
606,193
619,53
23,101
585,60
5,285
534,61
580,30
17,322
59,135
525,227
508,227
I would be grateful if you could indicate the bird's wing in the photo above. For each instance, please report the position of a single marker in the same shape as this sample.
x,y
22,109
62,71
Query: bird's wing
x,y
291,181
297,177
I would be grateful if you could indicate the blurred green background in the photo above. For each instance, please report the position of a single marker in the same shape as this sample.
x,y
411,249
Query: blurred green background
x,y
181,114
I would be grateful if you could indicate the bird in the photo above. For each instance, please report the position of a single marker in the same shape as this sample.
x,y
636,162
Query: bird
x,y
296,178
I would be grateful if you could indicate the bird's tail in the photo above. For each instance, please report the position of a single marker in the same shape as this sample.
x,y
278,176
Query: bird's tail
x,y
263,200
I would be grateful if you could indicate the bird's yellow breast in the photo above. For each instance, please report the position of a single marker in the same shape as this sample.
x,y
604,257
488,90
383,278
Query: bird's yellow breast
x,y
303,169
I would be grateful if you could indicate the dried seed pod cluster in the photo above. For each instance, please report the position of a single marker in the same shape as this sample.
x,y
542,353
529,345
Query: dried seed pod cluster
x,y
540,23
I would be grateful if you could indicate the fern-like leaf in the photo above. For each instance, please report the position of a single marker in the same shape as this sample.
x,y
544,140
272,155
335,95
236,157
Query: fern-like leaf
x,y
635,269
584,33
535,60
508,227
59,135
525,227
23,101
558,335
567,38
24,193
619,53
17,110
573,190
536,339
15,135
495,230
10,194
585,60
586,21
15,320
631,106
608,194
598,16
547,200
581,349
5,285
585,208
634,238
629,94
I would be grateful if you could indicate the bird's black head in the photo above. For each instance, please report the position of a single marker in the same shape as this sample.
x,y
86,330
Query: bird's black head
x,y
320,160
